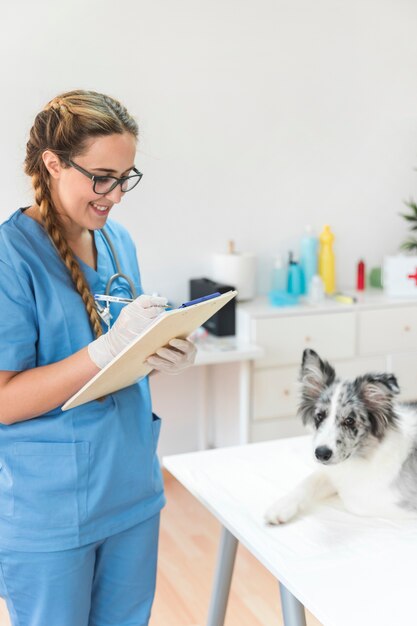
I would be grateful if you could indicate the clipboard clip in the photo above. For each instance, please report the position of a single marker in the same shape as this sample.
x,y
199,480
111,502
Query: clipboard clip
x,y
202,299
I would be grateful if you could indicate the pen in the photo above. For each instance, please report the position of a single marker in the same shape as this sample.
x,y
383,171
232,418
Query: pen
x,y
117,299
111,298
106,298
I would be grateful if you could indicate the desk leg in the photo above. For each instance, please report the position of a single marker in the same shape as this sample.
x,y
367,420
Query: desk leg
x,y
206,432
244,401
223,577
292,609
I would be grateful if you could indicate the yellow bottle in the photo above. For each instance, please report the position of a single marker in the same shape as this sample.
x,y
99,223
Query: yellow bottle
x,y
327,260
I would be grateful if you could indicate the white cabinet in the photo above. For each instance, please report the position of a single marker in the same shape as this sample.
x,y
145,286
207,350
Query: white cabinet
x,y
376,334
405,367
284,340
274,392
387,330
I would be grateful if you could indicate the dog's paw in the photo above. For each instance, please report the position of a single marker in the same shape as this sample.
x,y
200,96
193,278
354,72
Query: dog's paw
x,y
282,511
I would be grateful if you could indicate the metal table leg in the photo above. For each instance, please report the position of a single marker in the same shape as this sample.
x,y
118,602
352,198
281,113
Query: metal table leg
x,y
292,609
222,579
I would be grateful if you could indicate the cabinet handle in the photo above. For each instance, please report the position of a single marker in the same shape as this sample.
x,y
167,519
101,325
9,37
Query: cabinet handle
x,y
407,328
286,392
307,339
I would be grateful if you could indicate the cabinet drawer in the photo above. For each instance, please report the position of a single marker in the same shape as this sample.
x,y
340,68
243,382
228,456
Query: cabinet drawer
x,y
404,366
276,389
284,338
275,392
390,330
357,367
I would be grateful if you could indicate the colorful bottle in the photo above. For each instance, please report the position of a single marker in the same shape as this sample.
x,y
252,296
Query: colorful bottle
x,y
316,293
279,275
327,260
308,258
360,276
295,277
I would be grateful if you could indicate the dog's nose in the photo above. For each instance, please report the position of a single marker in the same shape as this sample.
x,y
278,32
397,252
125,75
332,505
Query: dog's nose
x,y
323,453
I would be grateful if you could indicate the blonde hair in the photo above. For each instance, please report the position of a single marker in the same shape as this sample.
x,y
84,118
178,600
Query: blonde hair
x,y
65,126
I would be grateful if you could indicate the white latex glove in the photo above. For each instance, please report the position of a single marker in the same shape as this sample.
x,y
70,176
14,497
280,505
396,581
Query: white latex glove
x,y
173,360
133,319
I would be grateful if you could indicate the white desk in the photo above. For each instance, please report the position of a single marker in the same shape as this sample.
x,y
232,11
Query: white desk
x,y
216,350
347,570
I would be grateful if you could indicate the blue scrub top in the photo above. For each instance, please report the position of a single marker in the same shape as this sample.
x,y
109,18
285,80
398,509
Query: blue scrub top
x,y
74,477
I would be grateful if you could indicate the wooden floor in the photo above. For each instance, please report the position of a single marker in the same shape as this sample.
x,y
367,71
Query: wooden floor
x,y
187,555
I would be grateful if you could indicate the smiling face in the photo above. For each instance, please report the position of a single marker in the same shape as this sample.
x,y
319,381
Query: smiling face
x,y
349,417
72,192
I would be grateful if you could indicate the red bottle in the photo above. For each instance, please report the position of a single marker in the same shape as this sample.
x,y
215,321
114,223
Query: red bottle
x,y
360,279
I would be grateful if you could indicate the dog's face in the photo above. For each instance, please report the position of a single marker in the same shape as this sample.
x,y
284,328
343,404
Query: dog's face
x,y
348,417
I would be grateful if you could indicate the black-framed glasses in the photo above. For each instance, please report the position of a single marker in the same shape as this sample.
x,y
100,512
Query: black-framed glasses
x,y
106,184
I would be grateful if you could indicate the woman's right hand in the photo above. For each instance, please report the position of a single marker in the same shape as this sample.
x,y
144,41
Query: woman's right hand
x,y
132,321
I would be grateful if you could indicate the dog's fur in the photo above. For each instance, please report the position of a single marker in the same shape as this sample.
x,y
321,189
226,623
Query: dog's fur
x,y
364,440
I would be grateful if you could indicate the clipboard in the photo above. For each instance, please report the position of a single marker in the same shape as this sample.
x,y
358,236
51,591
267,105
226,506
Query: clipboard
x,y
129,365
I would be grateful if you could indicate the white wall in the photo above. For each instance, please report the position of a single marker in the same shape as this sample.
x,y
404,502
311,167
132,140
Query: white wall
x,y
256,118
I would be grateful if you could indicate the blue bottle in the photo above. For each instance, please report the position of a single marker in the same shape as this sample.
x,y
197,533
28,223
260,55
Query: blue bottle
x,y
279,275
308,258
295,277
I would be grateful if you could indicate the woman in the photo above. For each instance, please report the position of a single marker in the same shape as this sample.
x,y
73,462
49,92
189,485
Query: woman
x,y
81,490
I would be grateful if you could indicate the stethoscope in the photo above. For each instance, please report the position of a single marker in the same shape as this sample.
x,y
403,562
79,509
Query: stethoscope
x,y
104,311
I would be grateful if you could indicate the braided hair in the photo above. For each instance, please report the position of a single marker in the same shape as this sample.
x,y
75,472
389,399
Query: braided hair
x,y
65,126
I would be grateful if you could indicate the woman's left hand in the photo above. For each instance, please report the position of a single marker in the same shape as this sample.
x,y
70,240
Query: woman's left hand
x,y
172,359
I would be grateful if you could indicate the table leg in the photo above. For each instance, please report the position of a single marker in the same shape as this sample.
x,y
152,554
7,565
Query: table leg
x,y
206,433
222,579
292,609
244,401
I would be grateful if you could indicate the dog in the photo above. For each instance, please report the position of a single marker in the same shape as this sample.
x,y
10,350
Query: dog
x,y
364,441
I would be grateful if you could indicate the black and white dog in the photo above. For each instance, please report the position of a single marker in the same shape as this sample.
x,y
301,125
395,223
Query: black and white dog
x,y
364,440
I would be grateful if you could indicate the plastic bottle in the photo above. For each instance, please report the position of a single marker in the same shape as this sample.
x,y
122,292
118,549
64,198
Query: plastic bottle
x,y
295,277
327,260
279,275
360,276
316,292
308,258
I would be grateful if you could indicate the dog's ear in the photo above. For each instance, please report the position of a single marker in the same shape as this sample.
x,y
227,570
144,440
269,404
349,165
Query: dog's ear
x,y
315,376
377,392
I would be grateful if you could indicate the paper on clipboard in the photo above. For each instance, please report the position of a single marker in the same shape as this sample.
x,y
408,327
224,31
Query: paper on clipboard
x,y
129,365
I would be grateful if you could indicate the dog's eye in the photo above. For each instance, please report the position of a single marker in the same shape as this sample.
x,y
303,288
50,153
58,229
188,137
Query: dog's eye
x,y
349,422
319,417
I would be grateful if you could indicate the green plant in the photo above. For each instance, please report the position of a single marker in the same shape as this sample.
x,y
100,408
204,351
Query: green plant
x,y
411,243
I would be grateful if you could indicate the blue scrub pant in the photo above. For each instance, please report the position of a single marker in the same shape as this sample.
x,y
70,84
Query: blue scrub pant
x,y
107,583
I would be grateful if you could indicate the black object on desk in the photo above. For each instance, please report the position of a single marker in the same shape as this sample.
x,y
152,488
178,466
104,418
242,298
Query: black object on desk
x,y
223,322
